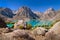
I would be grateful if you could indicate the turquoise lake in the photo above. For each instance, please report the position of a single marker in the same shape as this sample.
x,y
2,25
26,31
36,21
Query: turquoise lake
x,y
33,23
39,22
10,25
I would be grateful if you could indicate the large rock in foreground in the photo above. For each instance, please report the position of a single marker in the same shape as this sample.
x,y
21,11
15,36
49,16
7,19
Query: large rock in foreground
x,y
17,35
54,32
39,31
56,28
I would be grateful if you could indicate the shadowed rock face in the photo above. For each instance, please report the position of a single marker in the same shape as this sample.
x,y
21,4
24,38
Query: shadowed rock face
x,y
6,12
2,23
25,12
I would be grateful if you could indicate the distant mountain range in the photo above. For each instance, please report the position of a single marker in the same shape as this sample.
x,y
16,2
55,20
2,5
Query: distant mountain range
x,y
26,13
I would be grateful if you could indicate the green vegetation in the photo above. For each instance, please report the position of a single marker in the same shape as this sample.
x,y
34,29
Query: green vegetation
x,y
21,27
28,26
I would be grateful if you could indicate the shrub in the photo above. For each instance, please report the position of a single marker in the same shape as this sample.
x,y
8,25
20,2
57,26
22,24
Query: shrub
x,y
21,27
28,26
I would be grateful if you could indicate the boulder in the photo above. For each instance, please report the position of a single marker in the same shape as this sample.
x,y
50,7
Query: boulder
x,y
39,31
52,36
54,32
56,28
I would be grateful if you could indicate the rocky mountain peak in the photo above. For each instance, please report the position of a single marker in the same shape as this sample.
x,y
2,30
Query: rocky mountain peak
x,y
49,10
7,12
24,8
50,13
8,9
25,12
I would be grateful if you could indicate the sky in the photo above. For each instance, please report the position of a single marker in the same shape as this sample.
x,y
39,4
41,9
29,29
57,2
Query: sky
x,y
36,5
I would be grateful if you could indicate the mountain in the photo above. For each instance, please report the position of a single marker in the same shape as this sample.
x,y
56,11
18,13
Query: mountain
x,y
49,14
25,12
6,13
57,17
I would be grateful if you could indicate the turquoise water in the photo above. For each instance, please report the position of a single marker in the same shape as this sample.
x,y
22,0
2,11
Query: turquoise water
x,y
10,25
39,22
33,23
